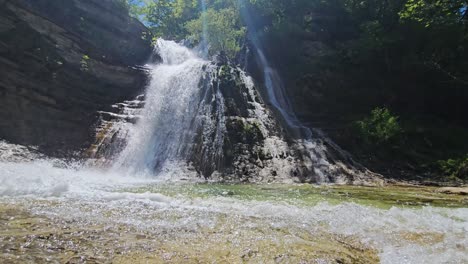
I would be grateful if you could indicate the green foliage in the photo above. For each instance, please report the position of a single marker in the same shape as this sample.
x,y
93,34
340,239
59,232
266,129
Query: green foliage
x,y
455,168
223,30
167,18
438,28
380,127
433,12
84,63
184,19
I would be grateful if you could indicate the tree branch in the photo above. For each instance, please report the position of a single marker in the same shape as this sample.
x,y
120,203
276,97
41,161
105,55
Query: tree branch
x,y
436,66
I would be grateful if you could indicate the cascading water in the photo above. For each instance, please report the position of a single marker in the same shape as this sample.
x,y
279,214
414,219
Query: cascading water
x,y
201,118
274,86
277,94
167,125
312,142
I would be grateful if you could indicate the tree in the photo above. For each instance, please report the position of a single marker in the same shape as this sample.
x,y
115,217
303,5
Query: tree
x,y
224,32
434,12
167,18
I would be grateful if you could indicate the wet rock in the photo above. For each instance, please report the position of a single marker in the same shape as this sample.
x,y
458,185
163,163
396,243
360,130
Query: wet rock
x,y
254,145
17,153
453,190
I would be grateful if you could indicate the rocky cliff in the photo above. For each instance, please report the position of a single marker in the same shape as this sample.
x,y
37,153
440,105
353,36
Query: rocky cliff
x,y
250,144
60,63
234,136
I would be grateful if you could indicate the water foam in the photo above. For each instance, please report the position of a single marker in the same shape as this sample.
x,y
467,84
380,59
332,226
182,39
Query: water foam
x,y
400,235
46,178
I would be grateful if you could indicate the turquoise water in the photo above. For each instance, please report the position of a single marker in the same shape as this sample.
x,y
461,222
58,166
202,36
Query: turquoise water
x,y
310,195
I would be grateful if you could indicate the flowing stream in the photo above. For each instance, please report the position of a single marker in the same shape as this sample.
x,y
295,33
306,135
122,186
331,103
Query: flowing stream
x,y
53,213
62,212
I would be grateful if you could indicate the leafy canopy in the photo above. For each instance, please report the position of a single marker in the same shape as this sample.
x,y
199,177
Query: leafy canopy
x,y
223,30
189,19
433,12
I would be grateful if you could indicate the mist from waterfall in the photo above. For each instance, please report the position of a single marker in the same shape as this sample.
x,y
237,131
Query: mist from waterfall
x,y
166,127
204,45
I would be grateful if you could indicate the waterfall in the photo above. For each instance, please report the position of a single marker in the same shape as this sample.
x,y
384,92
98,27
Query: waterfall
x,y
275,89
317,148
277,95
167,124
199,117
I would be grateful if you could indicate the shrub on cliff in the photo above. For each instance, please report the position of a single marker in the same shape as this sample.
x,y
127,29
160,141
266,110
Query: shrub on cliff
x,y
379,128
455,169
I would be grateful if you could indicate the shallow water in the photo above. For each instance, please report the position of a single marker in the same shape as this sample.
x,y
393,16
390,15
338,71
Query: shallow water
x,y
62,214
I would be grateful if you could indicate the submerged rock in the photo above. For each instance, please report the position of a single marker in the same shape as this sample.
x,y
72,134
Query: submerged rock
x,y
67,241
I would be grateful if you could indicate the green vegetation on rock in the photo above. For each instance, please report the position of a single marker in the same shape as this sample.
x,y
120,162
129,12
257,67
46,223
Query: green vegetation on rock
x,y
456,169
381,127
84,63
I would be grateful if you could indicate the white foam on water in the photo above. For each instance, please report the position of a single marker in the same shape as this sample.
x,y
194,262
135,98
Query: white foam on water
x,y
81,193
43,178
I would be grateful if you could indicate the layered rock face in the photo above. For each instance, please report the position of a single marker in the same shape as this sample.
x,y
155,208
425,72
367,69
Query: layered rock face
x,y
249,143
240,139
60,63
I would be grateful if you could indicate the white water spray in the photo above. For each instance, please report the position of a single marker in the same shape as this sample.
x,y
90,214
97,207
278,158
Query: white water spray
x,y
166,128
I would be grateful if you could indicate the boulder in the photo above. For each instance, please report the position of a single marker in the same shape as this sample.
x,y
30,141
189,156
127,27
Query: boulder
x,y
453,190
